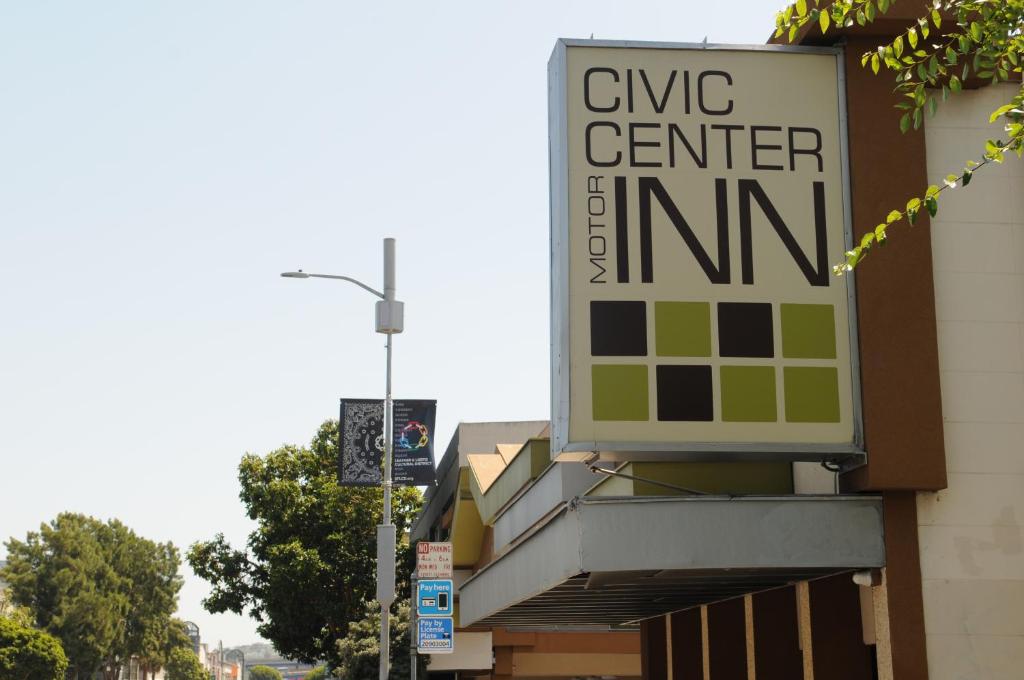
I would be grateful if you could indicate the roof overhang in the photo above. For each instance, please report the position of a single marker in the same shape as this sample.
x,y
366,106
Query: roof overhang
x,y
612,561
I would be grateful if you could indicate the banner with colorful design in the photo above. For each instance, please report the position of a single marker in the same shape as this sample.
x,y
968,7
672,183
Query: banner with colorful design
x,y
361,442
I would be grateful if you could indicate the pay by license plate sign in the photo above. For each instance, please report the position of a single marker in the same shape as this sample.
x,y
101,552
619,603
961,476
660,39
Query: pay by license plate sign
x,y
436,635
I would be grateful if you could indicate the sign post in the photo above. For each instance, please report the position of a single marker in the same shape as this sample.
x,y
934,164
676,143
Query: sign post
x,y
413,632
435,593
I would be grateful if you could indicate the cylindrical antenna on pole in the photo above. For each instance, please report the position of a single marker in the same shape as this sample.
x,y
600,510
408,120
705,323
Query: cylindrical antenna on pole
x,y
389,269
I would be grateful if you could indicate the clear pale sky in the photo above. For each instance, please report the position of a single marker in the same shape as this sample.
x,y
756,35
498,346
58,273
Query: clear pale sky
x,y
162,162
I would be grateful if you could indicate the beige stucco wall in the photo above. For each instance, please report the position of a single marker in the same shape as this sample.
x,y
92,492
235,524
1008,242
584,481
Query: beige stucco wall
x,y
972,547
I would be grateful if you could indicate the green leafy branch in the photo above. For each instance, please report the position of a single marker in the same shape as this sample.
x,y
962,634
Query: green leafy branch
x,y
983,40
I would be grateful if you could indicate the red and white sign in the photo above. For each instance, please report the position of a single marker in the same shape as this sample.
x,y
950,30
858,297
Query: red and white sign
x,y
433,560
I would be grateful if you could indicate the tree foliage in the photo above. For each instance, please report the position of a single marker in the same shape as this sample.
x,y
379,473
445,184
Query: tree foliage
x,y
953,41
310,565
359,652
183,664
106,593
319,673
264,673
168,637
29,654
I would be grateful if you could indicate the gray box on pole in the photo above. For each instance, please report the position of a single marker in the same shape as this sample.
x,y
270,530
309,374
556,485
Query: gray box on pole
x,y
386,564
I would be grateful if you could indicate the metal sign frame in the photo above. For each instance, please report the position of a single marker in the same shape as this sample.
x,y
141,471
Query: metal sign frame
x,y
849,455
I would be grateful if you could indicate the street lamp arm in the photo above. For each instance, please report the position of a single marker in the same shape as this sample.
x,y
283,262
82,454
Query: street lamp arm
x,y
303,275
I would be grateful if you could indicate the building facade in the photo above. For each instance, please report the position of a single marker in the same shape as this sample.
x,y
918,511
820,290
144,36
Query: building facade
x,y
904,564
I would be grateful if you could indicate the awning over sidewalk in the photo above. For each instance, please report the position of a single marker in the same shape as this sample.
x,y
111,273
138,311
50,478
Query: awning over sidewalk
x,y
616,560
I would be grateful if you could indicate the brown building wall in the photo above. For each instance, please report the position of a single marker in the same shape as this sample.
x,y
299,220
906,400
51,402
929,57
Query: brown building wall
x,y
836,633
903,587
895,294
727,640
653,652
687,647
776,635
821,637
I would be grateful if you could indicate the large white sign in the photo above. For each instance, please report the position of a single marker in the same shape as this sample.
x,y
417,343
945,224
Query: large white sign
x,y
433,560
699,199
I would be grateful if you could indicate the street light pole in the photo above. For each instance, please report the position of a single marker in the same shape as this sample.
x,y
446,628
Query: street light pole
x,y
390,315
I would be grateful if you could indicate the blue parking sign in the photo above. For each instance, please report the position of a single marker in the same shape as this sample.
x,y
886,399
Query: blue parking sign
x,y
434,597
436,635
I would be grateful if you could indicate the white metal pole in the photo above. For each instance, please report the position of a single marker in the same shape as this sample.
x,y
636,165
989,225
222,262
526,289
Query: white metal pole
x,y
388,578
385,656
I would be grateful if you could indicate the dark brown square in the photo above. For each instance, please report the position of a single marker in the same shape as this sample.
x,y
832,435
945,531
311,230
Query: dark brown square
x,y
685,393
618,329
745,329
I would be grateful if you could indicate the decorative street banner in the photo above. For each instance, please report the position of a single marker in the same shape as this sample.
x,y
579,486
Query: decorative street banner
x,y
699,198
361,446
414,442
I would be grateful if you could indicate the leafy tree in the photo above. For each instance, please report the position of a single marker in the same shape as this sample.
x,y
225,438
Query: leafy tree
x,y
359,652
183,664
29,654
151,569
105,592
264,673
310,564
64,576
932,59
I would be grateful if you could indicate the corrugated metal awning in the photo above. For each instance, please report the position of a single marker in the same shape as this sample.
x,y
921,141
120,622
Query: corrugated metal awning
x,y
615,560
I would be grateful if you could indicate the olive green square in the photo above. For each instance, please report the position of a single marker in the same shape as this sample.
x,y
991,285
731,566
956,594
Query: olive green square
x,y
812,394
682,329
808,331
619,392
748,394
